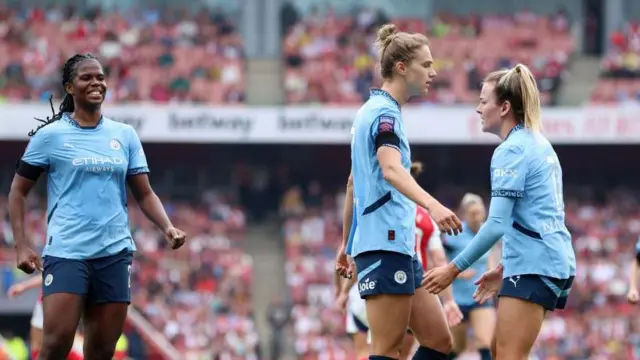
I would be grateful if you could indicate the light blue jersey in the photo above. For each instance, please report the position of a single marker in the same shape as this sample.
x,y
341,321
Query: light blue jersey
x,y
385,218
87,169
525,167
463,289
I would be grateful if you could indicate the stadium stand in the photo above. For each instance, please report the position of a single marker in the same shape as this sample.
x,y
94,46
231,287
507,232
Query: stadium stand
x,y
148,55
620,68
604,237
330,58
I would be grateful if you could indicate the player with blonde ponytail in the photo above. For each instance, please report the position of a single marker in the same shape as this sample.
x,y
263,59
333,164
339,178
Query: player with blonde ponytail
x,y
527,212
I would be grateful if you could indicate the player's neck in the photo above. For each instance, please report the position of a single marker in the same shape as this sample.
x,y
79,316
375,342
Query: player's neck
x,y
397,91
506,128
87,117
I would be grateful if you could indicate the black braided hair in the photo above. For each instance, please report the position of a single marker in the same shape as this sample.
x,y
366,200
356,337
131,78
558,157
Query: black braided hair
x,y
68,73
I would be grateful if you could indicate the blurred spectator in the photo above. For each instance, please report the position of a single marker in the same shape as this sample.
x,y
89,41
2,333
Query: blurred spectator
x,y
278,316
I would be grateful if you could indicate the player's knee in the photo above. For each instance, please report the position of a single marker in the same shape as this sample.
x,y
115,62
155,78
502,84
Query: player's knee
x,y
56,345
441,341
388,344
99,351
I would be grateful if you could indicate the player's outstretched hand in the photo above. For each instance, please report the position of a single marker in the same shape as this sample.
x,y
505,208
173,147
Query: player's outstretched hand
x,y
175,237
633,296
488,285
28,260
344,267
439,278
453,313
446,220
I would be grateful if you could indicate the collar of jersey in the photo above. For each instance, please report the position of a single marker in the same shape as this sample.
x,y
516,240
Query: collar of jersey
x,y
514,129
380,92
73,122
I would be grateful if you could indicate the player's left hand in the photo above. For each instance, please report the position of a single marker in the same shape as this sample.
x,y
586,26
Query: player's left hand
x,y
175,237
453,313
439,278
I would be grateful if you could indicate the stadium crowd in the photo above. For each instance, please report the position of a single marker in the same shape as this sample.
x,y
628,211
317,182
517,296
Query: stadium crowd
x,y
598,323
199,298
148,55
330,58
620,73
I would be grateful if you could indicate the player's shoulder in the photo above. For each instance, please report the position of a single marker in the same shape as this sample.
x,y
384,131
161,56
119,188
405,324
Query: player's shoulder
x,y
118,128
380,106
511,147
51,131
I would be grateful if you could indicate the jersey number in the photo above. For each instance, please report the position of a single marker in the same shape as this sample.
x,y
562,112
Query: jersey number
x,y
556,180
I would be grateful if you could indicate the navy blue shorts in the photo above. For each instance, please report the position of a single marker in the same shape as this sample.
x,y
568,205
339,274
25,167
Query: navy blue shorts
x,y
466,310
102,280
550,293
386,272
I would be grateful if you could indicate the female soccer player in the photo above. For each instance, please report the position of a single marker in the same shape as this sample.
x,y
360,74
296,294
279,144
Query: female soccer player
x,y
632,295
89,160
481,317
527,211
35,335
384,201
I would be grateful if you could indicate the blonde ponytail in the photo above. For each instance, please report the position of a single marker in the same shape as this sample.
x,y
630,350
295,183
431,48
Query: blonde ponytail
x,y
530,98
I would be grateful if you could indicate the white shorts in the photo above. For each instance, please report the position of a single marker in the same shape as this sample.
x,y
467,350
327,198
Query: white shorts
x,y
37,319
357,314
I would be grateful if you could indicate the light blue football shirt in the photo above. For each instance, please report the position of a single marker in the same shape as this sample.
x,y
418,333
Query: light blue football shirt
x,y
385,218
463,289
87,169
525,167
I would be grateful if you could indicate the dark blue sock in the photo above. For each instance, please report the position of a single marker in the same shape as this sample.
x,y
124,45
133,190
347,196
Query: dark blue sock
x,y
378,357
452,356
485,354
425,353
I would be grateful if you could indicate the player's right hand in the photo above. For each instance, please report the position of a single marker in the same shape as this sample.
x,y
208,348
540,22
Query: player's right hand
x,y
632,296
175,237
28,260
344,267
447,221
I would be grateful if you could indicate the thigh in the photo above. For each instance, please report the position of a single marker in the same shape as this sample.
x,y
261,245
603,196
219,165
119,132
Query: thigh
x,y
103,325
388,316
459,335
64,287
428,322
483,321
110,280
518,324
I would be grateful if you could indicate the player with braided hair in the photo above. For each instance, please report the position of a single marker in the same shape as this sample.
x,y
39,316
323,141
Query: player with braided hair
x,y
86,262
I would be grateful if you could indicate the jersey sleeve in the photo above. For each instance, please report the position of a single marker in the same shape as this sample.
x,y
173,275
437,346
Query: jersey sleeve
x,y
35,159
508,172
137,159
385,131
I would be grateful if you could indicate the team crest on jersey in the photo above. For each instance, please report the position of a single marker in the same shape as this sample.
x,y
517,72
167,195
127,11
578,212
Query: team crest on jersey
x,y
114,144
400,277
